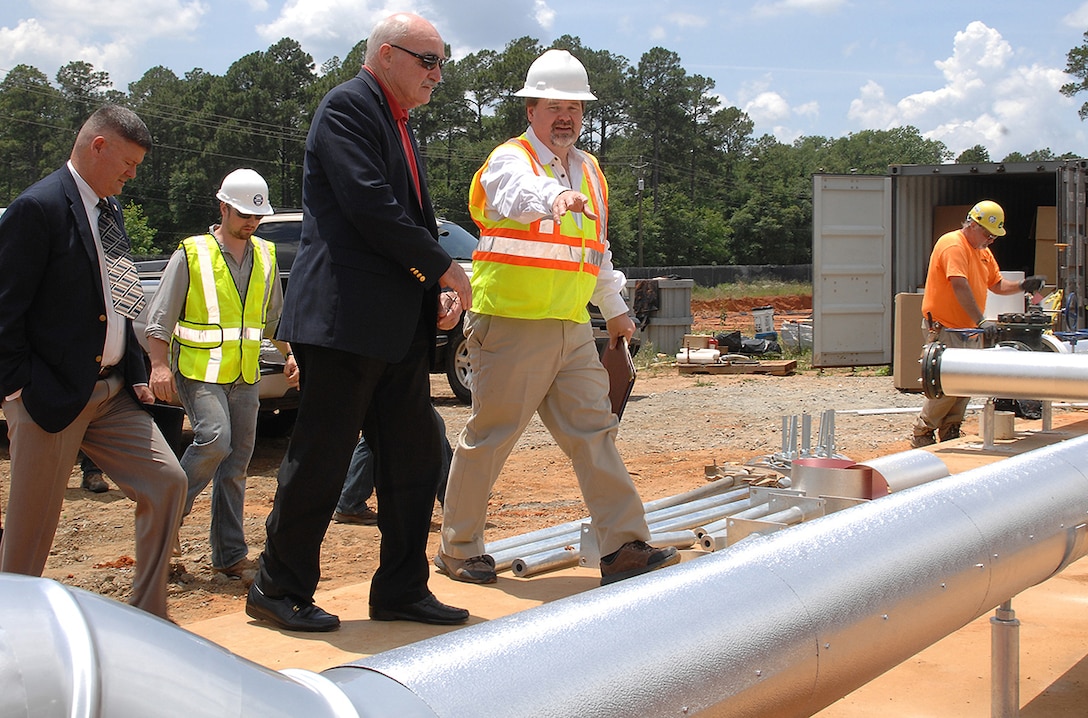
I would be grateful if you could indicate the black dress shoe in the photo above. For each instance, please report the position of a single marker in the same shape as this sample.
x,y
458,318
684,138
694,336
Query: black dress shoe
x,y
287,614
429,610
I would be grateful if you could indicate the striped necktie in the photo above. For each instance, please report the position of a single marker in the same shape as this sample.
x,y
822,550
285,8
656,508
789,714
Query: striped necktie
x,y
125,289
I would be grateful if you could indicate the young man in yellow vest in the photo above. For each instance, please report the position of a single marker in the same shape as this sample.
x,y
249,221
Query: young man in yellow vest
x,y
220,295
542,208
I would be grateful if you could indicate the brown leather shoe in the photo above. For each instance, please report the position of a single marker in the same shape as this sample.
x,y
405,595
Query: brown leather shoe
x,y
94,481
477,569
243,568
366,517
633,558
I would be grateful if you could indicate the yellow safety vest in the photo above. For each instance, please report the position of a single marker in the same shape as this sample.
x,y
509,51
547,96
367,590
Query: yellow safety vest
x,y
540,270
219,336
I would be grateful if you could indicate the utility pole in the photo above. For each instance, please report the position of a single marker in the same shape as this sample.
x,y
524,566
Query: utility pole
x,y
638,193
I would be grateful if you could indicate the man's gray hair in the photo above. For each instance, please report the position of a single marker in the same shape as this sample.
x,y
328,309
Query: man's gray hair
x,y
391,30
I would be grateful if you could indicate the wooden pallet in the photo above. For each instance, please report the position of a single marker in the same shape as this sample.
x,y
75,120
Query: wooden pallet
x,y
776,367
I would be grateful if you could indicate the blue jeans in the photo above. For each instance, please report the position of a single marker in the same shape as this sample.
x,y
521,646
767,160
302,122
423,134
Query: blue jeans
x,y
359,482
224,421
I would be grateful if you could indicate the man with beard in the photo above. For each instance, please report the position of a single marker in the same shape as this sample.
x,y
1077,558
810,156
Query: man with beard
x,y
542,208
219,295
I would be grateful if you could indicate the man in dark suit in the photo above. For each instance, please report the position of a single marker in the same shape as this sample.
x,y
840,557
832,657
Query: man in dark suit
x,y
360,315
72,375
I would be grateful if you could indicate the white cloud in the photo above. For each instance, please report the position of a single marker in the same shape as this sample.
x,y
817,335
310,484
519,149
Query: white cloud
x,y
1078,18
769,8
682,19
987,99
326,27
100,34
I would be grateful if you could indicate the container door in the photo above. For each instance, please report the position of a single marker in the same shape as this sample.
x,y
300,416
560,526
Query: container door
x,y
852,308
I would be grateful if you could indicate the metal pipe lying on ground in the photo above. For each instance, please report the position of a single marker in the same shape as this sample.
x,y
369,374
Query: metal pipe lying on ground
x,y
787,623
574,528
784,624
718,540
533,564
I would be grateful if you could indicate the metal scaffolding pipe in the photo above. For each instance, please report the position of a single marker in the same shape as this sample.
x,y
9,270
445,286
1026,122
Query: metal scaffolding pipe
x,y
574,528
562,557
1005,372
782,624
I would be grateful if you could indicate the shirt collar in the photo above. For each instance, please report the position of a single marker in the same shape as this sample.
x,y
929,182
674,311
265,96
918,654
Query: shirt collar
x,y
89,196
399,113
545,153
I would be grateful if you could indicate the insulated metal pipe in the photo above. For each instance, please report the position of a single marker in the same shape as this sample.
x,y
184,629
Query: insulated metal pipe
x,y
1005,372
787,623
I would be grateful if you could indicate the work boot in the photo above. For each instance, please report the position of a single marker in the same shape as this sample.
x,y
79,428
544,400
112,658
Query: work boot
x,y
366,517
949,432
94,482
917,441
633,558
477,569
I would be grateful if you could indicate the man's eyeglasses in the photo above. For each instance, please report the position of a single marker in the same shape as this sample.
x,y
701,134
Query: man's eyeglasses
x,y
429,60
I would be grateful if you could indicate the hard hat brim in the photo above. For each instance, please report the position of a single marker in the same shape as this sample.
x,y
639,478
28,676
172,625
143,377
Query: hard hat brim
x,y
554,94
263,210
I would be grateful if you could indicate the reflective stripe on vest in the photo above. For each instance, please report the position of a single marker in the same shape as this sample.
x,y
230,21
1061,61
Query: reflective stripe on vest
x,y
539,270
219,337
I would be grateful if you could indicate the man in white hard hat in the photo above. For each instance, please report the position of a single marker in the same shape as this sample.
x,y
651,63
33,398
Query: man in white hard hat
x,y
220,294
541,205
961,270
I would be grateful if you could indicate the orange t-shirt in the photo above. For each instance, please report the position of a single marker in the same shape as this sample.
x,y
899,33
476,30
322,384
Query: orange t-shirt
x,y
953,256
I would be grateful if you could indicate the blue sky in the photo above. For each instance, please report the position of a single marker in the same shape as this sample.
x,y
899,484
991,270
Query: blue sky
x,y
965,72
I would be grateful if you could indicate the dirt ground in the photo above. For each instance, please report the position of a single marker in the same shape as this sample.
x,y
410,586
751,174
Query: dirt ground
x,y
674,426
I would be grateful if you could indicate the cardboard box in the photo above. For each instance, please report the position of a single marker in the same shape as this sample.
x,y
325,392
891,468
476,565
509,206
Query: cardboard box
x,y
906,365
1045,232
948,217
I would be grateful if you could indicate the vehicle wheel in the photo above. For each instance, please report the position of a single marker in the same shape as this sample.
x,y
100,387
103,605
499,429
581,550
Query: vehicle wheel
x,y
276,424
458,369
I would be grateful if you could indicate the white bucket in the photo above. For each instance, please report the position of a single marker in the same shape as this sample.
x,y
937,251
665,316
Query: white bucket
x,y
764,319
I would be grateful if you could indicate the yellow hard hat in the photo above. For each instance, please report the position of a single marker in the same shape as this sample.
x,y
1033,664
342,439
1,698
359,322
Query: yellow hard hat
x,y
989,215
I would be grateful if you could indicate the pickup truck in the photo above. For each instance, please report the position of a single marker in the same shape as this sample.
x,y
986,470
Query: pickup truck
x,y
279,402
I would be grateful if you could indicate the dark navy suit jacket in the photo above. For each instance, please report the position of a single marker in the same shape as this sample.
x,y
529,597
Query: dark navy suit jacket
x,y
369,260
52,308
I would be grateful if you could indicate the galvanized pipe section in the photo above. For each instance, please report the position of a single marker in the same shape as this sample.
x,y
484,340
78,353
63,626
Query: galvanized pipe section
x,y
1004,663
1008,373
787,623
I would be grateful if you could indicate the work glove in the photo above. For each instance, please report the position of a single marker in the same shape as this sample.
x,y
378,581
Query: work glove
x,y
1033,283
989,329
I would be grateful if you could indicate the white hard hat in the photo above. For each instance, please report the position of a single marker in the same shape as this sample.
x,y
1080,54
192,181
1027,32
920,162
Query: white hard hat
x,y
557,75
246,191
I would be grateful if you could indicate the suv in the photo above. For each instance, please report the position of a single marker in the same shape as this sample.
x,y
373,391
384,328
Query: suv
x,y
279,402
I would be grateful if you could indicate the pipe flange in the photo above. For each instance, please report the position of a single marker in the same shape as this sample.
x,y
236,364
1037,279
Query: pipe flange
x,y
931,370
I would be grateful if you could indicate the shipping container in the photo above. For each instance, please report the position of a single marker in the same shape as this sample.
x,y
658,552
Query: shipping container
x,y
872,236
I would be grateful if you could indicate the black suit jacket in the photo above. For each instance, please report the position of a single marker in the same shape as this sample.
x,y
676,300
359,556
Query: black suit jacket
x,y
369,260
52,308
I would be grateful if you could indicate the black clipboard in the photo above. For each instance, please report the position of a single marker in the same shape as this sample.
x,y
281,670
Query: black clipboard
x,y
621,375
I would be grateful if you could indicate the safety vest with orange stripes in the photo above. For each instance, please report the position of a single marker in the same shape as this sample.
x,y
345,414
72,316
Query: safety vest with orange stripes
x,y
540,270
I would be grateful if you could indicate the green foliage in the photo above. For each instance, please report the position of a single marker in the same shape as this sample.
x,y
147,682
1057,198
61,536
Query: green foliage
x,y
688,181
140,233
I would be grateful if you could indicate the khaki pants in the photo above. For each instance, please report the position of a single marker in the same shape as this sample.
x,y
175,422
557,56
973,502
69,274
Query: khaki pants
x,y
551,367
948,410
122,440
